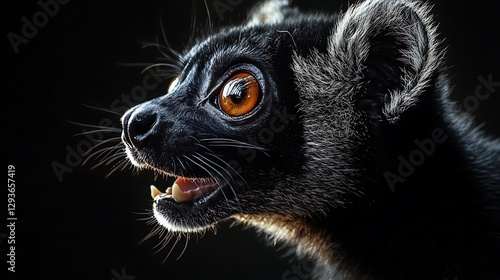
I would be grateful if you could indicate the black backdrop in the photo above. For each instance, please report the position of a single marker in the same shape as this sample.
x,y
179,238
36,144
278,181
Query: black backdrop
x,y
77,224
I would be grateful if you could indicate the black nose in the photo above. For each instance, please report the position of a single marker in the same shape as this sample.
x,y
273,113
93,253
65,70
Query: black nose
x,y
139,125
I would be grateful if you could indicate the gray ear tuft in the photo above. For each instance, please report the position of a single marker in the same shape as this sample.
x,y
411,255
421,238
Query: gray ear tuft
x,y
410,25
268,12
388,43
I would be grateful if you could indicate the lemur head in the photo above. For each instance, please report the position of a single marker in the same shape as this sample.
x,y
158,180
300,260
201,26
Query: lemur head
x,y
278,117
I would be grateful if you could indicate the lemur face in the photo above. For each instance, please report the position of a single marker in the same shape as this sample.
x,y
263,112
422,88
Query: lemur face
x,y
292,122
282,115
228,121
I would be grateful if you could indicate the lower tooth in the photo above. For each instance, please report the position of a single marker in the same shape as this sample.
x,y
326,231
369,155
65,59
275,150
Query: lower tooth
x,y
178,195
168,191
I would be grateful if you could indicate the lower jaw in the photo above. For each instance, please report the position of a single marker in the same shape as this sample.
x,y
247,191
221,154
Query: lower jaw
x,y
178,226
194,216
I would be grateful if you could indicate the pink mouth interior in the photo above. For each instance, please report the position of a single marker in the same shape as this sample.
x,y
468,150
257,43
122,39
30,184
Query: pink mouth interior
x,y
194,187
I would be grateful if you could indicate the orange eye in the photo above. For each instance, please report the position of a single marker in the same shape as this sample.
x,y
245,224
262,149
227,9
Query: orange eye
x,y
239,95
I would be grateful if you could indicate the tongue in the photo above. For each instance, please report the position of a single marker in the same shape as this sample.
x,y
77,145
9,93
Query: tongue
x,y
186,184
185,189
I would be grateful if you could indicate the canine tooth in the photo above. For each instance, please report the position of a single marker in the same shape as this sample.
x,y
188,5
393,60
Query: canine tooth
x,y
178,195
154,191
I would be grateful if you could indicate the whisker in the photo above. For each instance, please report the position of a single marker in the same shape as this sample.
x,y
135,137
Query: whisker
x,y
205,159
157,230
105,153
206,170
237,146
212,154
173,246
164,56
175,166
113,158
185,246
172,67
162,49
193,22
177,55
94,126
209,16
226,142
168,65
120,166
161,231
182,164
133,64
102,109
92,152
110,159
232,170
199,158
204,147
95,131
149,219
220,174
104,142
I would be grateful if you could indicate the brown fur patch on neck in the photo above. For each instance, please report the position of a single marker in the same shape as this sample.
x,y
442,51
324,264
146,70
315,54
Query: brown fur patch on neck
x,y
294,231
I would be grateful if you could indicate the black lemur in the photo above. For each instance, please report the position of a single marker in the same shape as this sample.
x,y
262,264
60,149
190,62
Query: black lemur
x,y
332,133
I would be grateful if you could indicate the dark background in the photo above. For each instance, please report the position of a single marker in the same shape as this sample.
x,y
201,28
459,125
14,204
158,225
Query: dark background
x,y
85,226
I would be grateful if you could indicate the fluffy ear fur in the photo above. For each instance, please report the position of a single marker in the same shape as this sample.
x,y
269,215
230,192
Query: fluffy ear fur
x,y
268,12
382,55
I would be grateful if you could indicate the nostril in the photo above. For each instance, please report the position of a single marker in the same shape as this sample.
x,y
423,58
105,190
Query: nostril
x,y
140,126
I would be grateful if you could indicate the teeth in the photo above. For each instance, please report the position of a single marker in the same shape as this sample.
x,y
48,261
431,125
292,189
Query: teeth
x,y
178,195
155,192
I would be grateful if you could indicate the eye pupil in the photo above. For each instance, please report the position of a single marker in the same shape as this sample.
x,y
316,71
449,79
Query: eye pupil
x,y
240,94
233,89
236,98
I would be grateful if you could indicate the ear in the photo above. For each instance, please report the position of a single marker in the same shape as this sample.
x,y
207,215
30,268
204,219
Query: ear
x,y
268,12
383,55
392,46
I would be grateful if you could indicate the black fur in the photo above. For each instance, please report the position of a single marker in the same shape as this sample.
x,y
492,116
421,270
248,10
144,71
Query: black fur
x,y
324,163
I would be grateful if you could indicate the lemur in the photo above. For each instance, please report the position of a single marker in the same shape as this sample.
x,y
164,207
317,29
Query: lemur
x,y
334,134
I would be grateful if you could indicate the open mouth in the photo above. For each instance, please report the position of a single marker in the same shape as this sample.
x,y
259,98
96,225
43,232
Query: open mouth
x,y
185,190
